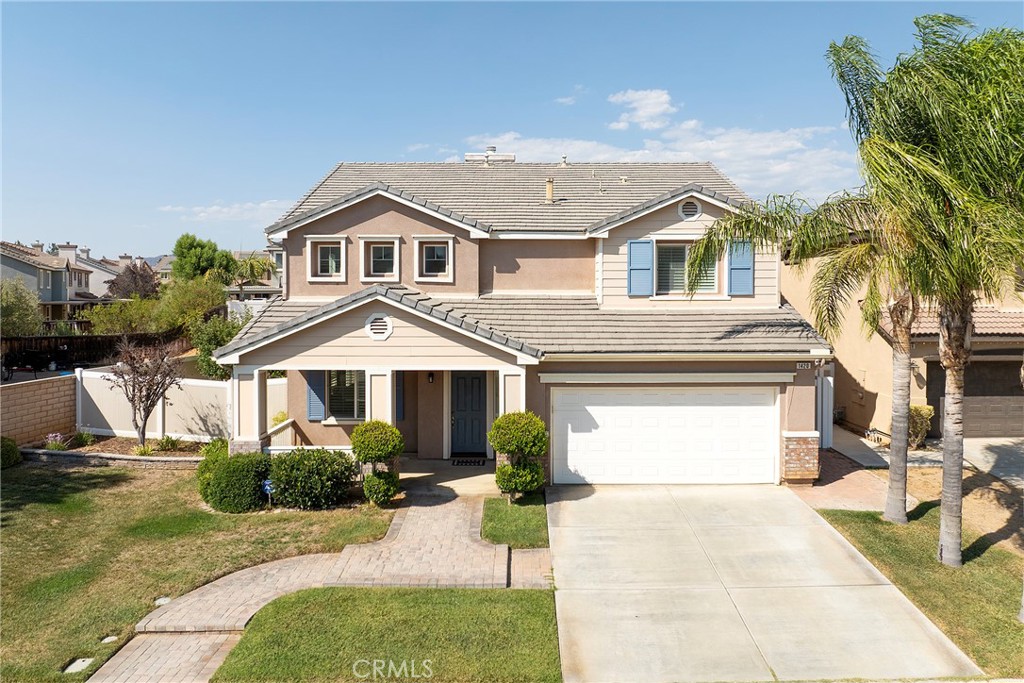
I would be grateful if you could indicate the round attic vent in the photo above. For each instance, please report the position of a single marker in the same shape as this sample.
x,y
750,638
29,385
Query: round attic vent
x,y
379,326
689,209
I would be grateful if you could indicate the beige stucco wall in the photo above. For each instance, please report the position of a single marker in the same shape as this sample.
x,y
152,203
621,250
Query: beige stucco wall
x,y
379,216
341,343
666,222
537,265
408,425
430,417
513,393
246,426
380,397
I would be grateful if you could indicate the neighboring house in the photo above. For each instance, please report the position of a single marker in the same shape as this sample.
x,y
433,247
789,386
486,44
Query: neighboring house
x,y
103,269
438,296
993,401
161,265
266,287
49,276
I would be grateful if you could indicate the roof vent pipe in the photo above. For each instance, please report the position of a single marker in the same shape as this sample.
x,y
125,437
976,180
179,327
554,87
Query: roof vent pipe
x,y
549,191
491,149
565,160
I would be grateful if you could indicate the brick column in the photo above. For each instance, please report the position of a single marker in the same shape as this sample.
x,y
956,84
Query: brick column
x,y
800,457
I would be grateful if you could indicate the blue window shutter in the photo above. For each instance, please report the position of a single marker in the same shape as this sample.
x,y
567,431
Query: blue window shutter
x,y
741,269
399,395
640,268
316,389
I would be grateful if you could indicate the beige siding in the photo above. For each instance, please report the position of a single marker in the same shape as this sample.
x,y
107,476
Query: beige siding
x,y
379,216
341,342
666,223
559,266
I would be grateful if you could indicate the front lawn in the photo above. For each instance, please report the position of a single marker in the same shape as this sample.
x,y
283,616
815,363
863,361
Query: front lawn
x,y
523,524
454,635
976,606
85,553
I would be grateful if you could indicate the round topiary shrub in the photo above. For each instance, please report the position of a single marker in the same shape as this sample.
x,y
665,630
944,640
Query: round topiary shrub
x,y
312,479
9,453
525,477
521,436
380,488
377,441
236,483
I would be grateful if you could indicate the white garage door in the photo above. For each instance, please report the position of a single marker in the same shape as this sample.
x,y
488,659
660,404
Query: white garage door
x,y
664,435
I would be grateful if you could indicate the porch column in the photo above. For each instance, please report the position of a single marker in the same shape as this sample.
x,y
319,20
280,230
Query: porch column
x,y
379,401
246,408
260,402
513,392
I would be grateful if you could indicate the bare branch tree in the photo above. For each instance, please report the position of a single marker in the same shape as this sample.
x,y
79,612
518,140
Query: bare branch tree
x,y
144,374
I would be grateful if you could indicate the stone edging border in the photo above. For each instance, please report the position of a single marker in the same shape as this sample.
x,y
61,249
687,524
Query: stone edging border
x,y
110,459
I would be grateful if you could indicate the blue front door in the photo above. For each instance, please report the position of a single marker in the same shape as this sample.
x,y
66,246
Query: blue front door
x,y
469,413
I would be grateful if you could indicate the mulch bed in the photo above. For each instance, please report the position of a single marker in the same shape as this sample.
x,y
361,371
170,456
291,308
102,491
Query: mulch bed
x,y
122,445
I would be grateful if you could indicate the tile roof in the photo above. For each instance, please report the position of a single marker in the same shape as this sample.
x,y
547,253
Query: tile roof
x,y
569,324
988,321
510,196
33,256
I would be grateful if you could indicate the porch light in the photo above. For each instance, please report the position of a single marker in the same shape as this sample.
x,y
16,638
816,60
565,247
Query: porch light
x,y
430,378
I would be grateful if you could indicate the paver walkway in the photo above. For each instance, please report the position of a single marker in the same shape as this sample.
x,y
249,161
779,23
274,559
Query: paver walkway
x,y
846,485
433,541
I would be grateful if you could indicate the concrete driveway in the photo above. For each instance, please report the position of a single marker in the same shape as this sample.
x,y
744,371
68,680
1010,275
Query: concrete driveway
x,y
725,583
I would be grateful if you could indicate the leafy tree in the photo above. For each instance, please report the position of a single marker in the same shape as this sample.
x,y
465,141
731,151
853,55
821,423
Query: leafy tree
x,y
19,309
195,257
185,302
130,316
208,336
135,280
144,375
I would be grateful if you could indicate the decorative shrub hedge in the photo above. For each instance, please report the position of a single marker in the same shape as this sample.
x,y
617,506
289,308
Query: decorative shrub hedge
x,y
380,487
920,423
312,479
521,436
213,454
9,453
519,478
236,482
376,442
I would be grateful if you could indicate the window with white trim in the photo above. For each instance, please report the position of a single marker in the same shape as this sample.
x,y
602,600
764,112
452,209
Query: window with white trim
x,y
434,259
379,259
326,258
346,394
670,265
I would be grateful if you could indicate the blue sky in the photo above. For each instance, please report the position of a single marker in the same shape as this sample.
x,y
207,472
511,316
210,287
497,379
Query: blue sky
x,y
126,124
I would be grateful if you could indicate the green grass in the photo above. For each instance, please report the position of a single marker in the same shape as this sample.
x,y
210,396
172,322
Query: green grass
x,y
524,524
976,605
323,634
85,553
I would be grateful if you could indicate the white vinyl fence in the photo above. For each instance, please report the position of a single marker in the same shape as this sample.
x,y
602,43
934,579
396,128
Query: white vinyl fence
x,y
196,410
825,393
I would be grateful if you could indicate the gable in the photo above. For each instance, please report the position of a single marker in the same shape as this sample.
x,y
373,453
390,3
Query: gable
x,y
342,341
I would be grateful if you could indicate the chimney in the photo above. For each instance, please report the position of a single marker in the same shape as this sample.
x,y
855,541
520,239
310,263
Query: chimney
x,y
124,260
489,156
37,245
84,251
549,191
565,160
68,251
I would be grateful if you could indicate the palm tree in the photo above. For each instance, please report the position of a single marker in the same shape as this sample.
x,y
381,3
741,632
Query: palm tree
x,y
954,183
252,267
846,237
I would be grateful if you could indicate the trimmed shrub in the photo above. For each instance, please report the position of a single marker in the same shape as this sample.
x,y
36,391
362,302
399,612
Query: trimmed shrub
x,y
236,483
145,449
377,442
312,479
920,423
521,436
9,453
83,439
214,453
524,477
380,487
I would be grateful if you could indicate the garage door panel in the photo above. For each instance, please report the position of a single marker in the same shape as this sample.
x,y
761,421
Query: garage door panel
x,y
664,435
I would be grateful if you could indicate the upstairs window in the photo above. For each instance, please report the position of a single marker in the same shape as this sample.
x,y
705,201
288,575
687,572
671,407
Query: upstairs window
x,y
326,258
346,394
671,270
434,258
380,259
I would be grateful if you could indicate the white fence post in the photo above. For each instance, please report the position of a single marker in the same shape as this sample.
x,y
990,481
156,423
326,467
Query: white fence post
x,y
78,399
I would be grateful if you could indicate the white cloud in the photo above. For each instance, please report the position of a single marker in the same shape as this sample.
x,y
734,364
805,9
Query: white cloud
x,y
648,109
570,99
810,160
416,147
262,213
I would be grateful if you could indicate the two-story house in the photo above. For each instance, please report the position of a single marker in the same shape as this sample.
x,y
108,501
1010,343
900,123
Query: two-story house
x,y
438,296
53,278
